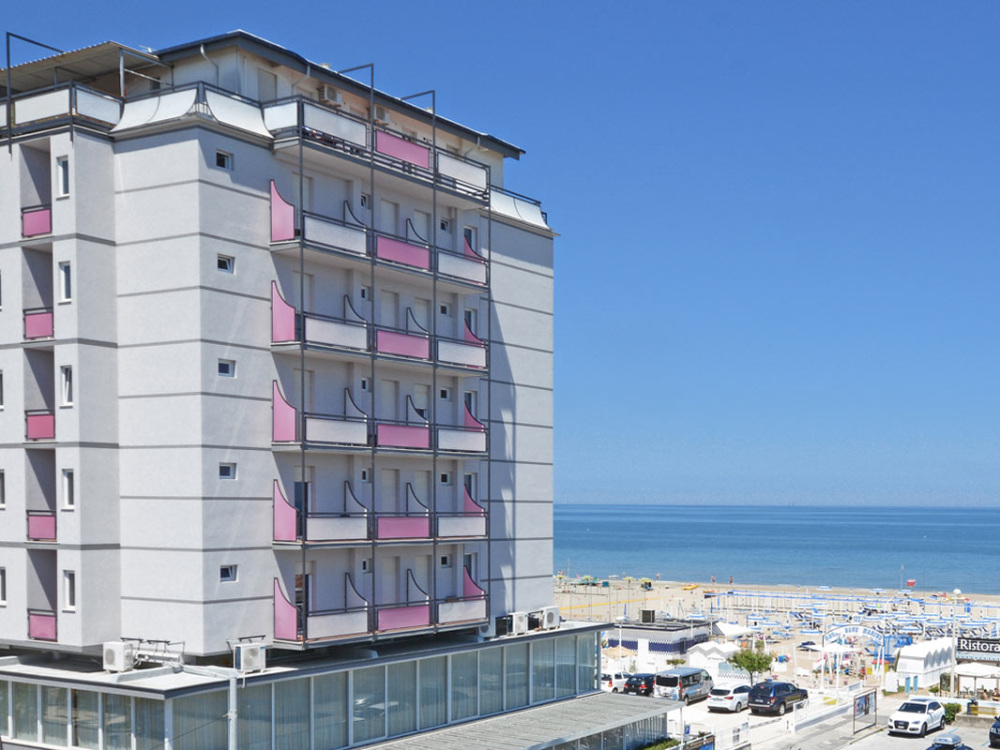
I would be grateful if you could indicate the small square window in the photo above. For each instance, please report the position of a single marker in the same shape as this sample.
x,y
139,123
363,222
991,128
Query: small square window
x,y
227,368
364,384
445,477
445,310
445,394
364,475
68,488
445,225
445,561
226,263
223,160
65,281
227,471
366,292
366,565
366,200
227,573
62,175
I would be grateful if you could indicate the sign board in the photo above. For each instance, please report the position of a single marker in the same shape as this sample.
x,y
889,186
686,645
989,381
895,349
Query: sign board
x,y
852,631
978,649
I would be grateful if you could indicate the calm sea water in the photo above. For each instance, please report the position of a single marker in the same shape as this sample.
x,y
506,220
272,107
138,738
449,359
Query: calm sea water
x,y
942,548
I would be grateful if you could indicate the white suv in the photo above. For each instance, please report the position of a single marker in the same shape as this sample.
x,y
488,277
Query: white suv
x,y
917,716
614,682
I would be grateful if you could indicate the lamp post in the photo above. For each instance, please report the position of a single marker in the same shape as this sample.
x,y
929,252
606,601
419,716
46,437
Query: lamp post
x,y
620,620
954,641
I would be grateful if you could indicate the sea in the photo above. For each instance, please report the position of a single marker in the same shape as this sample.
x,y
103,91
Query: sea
x,y
938,549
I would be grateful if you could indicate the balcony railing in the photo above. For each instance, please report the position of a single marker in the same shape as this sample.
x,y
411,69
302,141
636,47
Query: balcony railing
x,y
38,324
318,625
350,237
39,424
41,526
349,524
36,221
44,107
471,522
348,430
353,136
470,606
42,625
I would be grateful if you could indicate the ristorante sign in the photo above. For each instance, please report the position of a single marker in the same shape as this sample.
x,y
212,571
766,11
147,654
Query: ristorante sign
x,y
979,649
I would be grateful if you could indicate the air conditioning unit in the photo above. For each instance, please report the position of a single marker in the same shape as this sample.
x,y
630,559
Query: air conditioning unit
x,y
518,623
119,656
550,618
647,616
249,657
488,630
381,115
330,95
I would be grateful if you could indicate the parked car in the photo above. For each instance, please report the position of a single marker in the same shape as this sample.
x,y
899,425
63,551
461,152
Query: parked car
x,y
640,684
729,698
775,697
614,682
806,645
683,684
917,716
950,741
995,734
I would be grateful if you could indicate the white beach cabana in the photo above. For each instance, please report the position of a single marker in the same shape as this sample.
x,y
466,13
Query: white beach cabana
x,y
709,656
922,664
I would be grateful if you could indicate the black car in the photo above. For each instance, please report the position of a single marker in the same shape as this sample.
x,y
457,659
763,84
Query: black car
x,y
995,734
640,684
775,697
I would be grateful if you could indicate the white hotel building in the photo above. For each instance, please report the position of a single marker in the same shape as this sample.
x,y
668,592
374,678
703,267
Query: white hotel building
x,y
275,370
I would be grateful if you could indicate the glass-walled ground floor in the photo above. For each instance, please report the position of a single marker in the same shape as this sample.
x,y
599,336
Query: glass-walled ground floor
x,y
298,706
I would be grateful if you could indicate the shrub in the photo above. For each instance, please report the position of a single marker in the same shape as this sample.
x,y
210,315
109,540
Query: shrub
x,y
950,711
661,744
933,689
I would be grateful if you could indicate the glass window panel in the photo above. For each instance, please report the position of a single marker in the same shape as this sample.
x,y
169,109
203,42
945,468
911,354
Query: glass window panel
x,y
330,710
291,715
490,681
464,684
369,704
401,698
200,721
117,722
433,692
86,719
148,724
516,674
543,663
586,662
4,691
254,717
25,712
565,666
54,716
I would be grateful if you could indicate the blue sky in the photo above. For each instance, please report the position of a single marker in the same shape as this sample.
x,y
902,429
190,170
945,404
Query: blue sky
x,y
778,266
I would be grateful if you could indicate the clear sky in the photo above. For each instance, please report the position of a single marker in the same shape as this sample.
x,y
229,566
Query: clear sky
x,y
777,276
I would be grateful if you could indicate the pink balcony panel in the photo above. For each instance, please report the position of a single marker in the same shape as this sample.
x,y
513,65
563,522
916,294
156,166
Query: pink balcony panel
x,y
42,527
470,588
36,221
403,436
38,325
472,422
400,148
285,616
282,317
41,627
403,344
394,618
41,426
416,527
398,251
283,417
282,217
285,517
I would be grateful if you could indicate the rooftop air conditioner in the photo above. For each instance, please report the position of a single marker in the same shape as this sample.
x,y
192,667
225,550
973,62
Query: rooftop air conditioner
x,y
330,95
249,657
550,618
381,115
119,656
518,623
647,616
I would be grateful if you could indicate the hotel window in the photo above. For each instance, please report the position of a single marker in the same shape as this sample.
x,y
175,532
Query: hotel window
x,y
366,565
225,263
445,225
227,368
366,292
66,379
1,389
445,309
471,320
364,475
366,200
445,394
65,281
223,160
445,477
62,175
227,471
3,585
445,561
470,236
3,489
69,589
68,488
227,573
364,384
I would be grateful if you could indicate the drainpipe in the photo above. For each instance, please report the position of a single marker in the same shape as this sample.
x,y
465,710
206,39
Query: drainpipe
x,y
214,64
295,84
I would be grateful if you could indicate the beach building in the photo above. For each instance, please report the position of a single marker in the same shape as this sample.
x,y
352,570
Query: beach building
x,y
920,665
276,384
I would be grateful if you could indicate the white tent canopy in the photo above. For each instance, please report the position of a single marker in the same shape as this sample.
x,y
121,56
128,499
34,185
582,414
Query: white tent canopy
x,y
977,669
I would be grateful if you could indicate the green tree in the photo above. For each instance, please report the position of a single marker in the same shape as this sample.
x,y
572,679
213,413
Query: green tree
x,y
754,662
